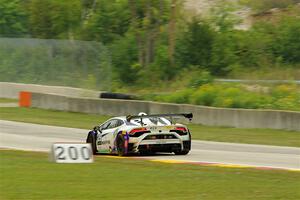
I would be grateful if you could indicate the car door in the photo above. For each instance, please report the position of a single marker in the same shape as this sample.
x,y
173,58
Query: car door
x,y
107,134
110,133
115,130
103,131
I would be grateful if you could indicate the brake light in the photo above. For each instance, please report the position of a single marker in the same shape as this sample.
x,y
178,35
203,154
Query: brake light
x,y
180,130
136,130
183,129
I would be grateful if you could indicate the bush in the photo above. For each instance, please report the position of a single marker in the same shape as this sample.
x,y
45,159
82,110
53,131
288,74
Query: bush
x,y
176,97
284,97
205,95
200,78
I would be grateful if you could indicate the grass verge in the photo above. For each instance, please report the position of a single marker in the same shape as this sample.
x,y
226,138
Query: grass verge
x,y
5,100
249,136
29,175
52,117
222,134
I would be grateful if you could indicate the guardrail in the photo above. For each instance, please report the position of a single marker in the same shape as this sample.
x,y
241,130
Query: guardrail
x,y
240,118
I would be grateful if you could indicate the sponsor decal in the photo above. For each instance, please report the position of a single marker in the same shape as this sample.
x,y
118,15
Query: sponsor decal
x,y
103,142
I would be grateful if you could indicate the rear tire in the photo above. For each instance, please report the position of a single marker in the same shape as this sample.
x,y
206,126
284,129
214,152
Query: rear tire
x,y
92,140
121,145
183,152
146,153
186,148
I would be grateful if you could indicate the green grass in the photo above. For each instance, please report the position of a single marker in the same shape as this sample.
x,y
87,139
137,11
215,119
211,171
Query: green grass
x,y
52,117
5,100
29,175
250,136
88,121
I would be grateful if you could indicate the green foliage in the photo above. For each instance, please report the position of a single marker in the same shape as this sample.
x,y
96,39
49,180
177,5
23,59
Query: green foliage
x,y
253,54
260,6
108,21
287,41
161,65
124,52
195,45
222,16
13,18
286,97
200,78
138,35
90,82
205,96
176,97
283,97
54,18
157,72
223,54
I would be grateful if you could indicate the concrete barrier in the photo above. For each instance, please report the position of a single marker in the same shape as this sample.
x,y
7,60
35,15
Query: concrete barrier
x,y
11,90
240,118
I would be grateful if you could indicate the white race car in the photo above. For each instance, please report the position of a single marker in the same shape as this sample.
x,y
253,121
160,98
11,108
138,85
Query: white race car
x,y
141,134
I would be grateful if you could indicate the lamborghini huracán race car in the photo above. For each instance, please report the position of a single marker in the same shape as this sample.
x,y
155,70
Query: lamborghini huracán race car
x,y
141,134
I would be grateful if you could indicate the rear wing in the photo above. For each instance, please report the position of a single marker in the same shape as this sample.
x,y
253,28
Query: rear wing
x,y
186,115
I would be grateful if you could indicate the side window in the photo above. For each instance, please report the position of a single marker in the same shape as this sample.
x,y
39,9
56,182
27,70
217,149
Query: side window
x,y
115,123
112,124
106,125
120,122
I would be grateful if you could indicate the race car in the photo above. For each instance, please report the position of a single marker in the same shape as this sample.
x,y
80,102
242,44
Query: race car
x,y
141,134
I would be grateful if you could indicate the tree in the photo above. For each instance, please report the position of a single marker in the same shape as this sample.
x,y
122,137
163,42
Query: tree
x,y
195,45
13,18
223,17
54,18
105,21
172,31
223,54
124,59
147,18
286,45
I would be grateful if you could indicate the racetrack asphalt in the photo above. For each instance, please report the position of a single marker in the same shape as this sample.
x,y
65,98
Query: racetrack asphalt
x,y
34,137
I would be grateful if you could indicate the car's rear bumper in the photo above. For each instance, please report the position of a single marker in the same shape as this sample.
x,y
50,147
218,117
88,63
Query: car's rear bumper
x,y
161,142
171,147
159,146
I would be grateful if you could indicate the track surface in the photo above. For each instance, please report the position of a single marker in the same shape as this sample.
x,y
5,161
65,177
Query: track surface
x,y
26,136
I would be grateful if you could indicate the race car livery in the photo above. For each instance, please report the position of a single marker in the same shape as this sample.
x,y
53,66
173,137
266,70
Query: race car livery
x,y
143,134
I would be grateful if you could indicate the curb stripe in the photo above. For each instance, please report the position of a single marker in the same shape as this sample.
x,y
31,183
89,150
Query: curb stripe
x,y
208,164
224,165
